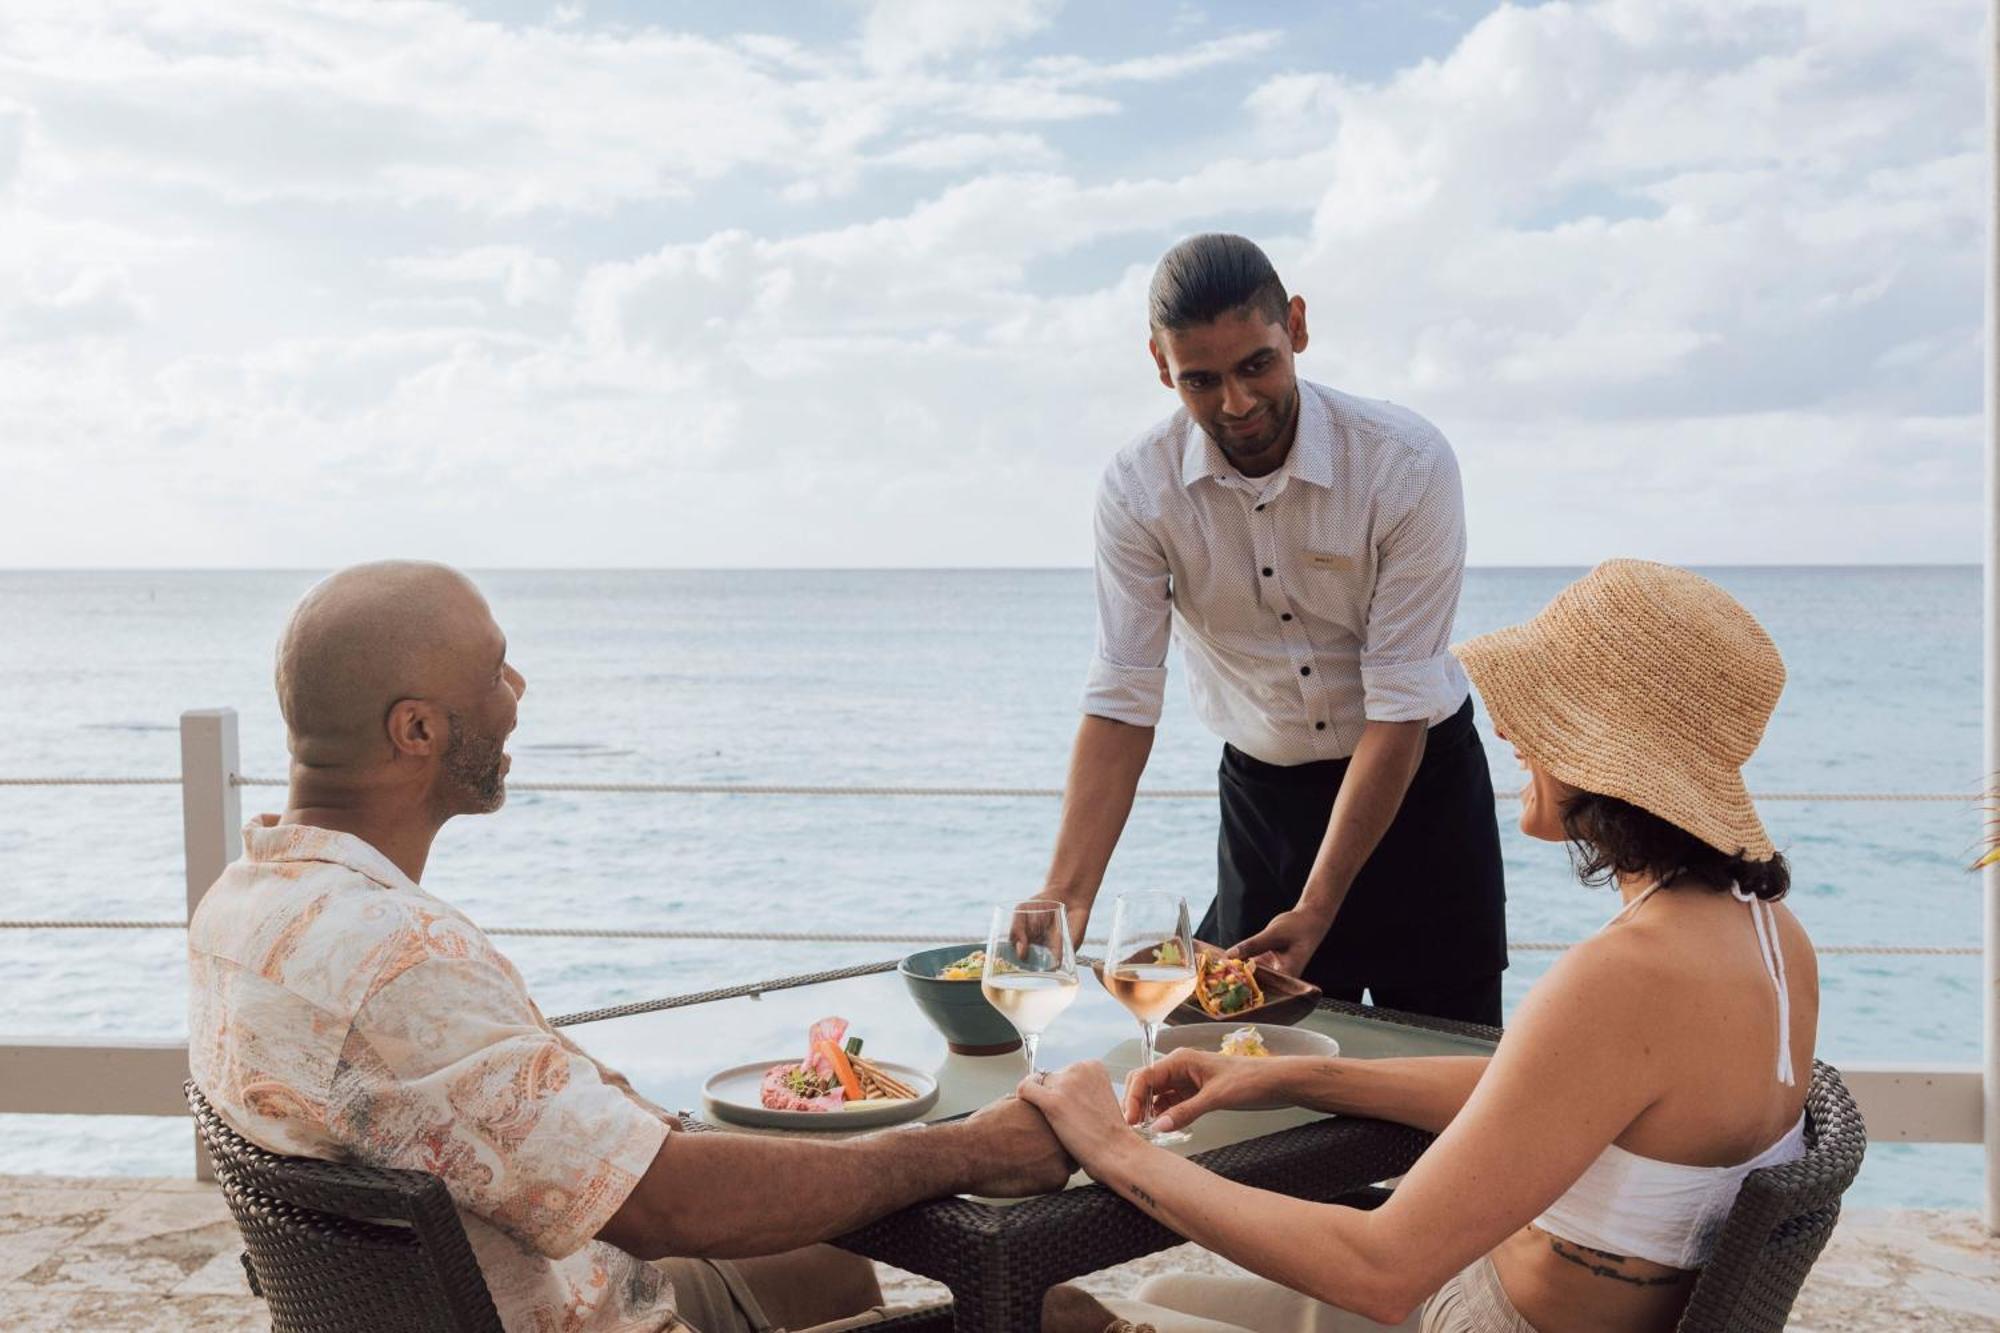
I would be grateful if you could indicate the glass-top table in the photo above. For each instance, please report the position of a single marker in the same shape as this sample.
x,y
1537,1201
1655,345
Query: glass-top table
x,y
999,1256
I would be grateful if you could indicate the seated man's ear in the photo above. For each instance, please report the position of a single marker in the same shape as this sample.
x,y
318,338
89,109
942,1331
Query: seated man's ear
x,y
418,728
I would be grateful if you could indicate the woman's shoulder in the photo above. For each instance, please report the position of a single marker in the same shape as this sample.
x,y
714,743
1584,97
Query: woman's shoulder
x,y
1613,980
1655,957
1636,952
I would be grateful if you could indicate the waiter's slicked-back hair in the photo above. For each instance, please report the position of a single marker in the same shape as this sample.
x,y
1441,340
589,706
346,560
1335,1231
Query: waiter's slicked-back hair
x,y
1207,276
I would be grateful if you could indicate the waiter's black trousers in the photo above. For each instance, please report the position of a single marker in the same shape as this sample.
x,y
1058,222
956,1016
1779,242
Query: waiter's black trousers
x,y
1424,926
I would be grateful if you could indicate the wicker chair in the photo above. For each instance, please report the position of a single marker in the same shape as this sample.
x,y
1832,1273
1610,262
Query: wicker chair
x,y
1781,1221
334,1248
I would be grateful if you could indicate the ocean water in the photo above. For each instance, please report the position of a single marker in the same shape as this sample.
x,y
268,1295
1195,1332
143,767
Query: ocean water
x,y
920,678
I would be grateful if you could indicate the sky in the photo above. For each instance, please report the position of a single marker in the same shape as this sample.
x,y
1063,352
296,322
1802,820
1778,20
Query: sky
x,y
861,283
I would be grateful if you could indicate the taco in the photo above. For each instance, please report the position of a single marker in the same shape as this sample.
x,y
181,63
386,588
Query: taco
x,y
1225,986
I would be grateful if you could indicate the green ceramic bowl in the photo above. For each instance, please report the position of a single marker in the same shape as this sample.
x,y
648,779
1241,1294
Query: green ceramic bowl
x,y
958,1009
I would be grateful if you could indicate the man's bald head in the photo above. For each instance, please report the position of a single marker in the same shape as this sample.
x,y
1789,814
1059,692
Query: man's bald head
x,y
372,635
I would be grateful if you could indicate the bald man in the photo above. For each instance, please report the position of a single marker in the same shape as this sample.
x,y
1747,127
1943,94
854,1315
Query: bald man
x,y
338,1011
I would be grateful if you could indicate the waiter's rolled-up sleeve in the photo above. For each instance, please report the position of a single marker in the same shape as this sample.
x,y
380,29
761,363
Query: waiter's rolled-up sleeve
x,y
1407,672
1128,676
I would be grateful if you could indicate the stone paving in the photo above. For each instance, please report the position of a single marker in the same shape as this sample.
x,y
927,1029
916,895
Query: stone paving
x,y
160,1256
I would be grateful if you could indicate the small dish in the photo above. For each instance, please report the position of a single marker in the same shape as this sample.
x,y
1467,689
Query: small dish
x,y
1286,1000
1123,1058
736,1095
1278,1039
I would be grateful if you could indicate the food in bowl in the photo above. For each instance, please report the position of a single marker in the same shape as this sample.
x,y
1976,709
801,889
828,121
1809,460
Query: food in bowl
x,y
1246,1041
961,1013
832,1077
1225,985
971,967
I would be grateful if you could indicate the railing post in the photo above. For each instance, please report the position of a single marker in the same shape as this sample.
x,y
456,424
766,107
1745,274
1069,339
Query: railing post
x,y
211,806
211,818
1990,969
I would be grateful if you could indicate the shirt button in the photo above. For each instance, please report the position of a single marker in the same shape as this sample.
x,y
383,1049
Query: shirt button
x,y
1284,615
1305,671
1319,726
1267,571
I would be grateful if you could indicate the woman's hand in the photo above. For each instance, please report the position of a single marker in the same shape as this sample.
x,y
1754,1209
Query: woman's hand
x,y
1186,1085
1080,1107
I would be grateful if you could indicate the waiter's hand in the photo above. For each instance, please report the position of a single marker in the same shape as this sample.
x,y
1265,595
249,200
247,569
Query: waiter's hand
x,y
1288,943
1077,912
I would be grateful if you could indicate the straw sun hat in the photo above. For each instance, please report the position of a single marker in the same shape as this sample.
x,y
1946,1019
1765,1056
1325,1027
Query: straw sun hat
x,y
1644,682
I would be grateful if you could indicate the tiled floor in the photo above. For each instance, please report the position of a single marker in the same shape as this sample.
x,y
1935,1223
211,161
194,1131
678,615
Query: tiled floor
x,y
160,1256
119,1254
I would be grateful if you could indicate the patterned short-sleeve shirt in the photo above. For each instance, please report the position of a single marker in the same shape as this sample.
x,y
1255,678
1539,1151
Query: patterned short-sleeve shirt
x,y
338,1011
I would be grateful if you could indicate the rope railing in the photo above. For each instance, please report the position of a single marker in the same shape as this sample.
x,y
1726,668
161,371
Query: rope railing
x,y
793,789
90,782
841,937
864,937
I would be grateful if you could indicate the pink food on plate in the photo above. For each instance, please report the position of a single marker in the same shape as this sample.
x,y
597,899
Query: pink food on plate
x,y
797,1088
810,1085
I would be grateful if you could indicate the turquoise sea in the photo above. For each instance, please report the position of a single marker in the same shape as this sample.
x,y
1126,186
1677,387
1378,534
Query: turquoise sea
x,y
907,678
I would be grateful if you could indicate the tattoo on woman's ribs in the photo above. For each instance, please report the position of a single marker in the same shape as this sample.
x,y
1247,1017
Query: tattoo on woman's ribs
x,y
1602,1263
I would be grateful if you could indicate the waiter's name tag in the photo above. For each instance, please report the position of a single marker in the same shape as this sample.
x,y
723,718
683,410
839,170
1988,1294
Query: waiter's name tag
x,y
1339,564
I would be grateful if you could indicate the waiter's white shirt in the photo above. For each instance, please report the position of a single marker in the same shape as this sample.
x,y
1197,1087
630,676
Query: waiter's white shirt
x,y
1307,603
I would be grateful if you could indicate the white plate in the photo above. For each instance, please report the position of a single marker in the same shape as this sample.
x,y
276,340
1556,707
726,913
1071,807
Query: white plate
x,y
1278,1039
736,1094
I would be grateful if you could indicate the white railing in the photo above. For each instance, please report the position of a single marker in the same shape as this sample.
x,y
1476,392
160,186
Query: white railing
x,y
85,1076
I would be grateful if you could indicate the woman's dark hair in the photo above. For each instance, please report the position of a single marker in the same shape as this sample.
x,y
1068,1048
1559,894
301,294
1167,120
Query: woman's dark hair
x,y
1609,837
1207,276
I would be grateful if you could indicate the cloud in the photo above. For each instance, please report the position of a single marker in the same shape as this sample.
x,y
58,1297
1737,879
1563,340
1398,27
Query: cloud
x,y
419,104
13,143
96,301
1640,210
956,152
1693,276
520,274
901,33
1157,68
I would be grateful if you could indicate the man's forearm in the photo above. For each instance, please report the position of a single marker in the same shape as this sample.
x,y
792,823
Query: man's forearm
x,y
1104,770
764,1195
1378,778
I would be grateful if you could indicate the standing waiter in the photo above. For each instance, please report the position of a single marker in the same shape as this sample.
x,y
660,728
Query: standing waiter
x,y
1309,547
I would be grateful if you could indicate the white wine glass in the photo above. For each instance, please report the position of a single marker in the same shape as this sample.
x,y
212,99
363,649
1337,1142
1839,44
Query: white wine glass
x,y
1030,971
1149,968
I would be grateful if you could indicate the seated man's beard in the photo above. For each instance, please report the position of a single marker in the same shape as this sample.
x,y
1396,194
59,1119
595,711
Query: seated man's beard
x,y
472,765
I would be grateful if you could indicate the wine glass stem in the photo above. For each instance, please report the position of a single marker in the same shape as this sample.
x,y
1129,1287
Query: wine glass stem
x,y
1148,1032
1029,1041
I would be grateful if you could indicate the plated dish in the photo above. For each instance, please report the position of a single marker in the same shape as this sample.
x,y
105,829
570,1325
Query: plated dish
x,y
834,1086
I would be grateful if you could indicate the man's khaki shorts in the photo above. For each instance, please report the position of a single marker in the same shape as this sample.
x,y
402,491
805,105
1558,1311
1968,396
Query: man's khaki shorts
x,y
712,1296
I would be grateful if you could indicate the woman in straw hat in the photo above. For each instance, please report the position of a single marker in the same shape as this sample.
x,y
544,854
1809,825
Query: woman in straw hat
x,y
1581,1173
